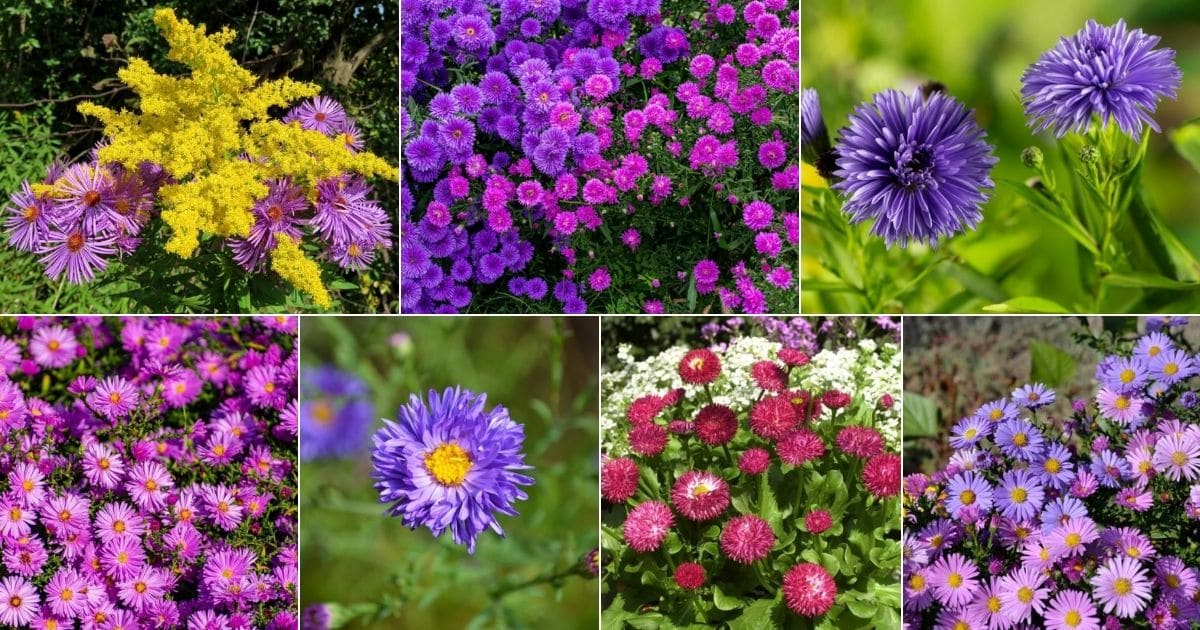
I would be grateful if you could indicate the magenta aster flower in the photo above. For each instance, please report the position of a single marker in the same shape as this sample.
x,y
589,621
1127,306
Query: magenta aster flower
x,y
1071,610
772,417
754,461
147,484
700,496
809,590
818,521
647,439
321,114
118,520
699,367
618,479
747,538
800,446
647,525
103,466
114,397
689,576
222,507
881,475
860,441
715,425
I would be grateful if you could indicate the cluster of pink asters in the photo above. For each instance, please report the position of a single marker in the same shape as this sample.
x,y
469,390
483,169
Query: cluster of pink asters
x,y
780,419
149,473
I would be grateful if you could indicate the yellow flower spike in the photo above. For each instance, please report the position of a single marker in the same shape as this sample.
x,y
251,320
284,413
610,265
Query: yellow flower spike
x,y
290,263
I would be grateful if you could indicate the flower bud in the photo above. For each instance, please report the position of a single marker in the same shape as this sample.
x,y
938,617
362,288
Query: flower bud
x,y
1031,157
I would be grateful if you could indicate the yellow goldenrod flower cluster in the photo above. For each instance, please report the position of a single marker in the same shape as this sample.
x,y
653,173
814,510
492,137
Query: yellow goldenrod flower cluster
x,y
211,130
292,265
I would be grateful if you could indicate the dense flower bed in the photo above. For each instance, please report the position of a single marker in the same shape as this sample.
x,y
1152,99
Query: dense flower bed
x,y
604,155
150,473
1081,522
740,489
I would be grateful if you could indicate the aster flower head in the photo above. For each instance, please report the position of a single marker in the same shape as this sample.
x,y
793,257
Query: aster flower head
x,y
1110,73
1033,396
881,475
1071,610
689,576
809,589
917,166
618,479
954,579
450,463
699,367
715,425
969,490
647,525
747,538
1122,586
700,496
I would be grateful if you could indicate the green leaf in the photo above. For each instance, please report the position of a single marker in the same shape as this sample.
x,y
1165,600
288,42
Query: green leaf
x,y
1141,280
756,616
1187,142
1028,304
1049,365
920,416
723,601
768,507
1170,254
1050,209
863,609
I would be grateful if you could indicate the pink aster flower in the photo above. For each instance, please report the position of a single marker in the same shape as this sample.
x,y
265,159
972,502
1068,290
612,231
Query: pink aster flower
x,y
754,461
15,520
118,520
618,479
809,590
747,538
1121,586
689,576
53,347
19,601
63,596
700,496
65,514
114,397
859,441
222,507
647,525
103,466
28,484
799,447
772,418
123,557
147,485
143,589
818,521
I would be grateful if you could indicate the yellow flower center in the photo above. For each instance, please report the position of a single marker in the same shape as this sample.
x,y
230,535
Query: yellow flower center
x,y
967,497
1133,552
269,387
1052,466
114,397
27,485
448,464
1020,439
151,484
1173,580
996,414
122,557
219,450
1018,495
1122,586
53,345
1025,594
1073,618
15,514
1073,540
993,604
66,595
700,490
1170,369
1121,403
1154,350
961,625
140,587
323,412
15,601
916,582
118,526
103,463
954,580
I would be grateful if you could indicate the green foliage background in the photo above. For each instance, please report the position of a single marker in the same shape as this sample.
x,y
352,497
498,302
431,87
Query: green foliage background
x,y
55,53
544,371
851,49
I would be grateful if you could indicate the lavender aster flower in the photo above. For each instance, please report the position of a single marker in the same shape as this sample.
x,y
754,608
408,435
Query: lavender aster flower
x,y
1108,72
917,165
451,464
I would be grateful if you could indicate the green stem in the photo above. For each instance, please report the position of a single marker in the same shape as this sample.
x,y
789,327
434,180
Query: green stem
x,y
546,578
58,293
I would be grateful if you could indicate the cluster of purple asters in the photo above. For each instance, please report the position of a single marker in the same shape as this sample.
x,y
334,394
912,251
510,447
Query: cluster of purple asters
x,y
150,473
100,210
515,173
919,165
336,413
1067,523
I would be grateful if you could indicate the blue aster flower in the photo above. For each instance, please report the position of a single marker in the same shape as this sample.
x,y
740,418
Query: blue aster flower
x,y
335,415
917,165
1109,72
814,137
451,464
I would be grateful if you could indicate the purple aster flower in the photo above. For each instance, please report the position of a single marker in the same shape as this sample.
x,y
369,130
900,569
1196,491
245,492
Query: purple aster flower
x,y
1124,374
28,221
1151,345
599,280
1172,366
1071,538
631,238
1055,467
19,601
1033,395
336,414
87,197
1122,587
968,490
1071,610
1108,72
954,580
1109,468
998,410
1124,409
814,137
1175,577
473,33
75,252
114,397
917,165
757,215
321,114
457,135
1020,495
451,464
1177,456
1020,439
1022,592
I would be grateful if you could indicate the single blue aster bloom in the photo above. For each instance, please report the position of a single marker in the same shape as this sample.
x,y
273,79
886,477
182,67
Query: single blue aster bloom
x,y
450,463
814,137
336,414
917,165
1109,72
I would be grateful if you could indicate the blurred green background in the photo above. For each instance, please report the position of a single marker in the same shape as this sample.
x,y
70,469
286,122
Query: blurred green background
x,y
545,371
851,49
